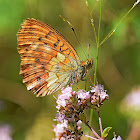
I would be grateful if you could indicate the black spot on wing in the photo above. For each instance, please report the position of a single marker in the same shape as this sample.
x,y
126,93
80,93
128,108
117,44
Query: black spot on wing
x,y
61,47
56,43
40,38
48,34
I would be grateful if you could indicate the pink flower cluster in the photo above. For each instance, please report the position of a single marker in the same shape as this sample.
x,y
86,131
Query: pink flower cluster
x,y
70,108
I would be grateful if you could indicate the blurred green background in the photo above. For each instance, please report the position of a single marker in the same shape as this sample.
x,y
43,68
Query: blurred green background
x,y
31,118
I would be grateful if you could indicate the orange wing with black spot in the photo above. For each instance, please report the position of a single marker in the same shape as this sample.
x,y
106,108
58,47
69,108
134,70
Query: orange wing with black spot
x,y
47,58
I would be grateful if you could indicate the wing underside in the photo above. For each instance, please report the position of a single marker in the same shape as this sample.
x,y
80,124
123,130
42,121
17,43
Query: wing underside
x,y
47,58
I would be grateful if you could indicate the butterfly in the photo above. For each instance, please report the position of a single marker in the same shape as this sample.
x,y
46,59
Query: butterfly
x,y
48,60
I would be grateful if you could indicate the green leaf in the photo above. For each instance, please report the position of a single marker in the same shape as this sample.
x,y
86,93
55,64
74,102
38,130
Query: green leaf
x,y
106,131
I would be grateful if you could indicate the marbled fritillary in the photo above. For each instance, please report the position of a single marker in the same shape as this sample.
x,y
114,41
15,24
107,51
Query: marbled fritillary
x,y
48,61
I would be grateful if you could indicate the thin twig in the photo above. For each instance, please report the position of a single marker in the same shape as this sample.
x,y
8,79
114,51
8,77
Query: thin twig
x,y
90,137
100,123
93,131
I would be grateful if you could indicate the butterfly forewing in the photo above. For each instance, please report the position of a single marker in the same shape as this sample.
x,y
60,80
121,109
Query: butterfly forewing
x,y
47,58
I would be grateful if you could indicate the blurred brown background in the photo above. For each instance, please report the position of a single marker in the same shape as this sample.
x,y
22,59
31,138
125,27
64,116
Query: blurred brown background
x,y
31,118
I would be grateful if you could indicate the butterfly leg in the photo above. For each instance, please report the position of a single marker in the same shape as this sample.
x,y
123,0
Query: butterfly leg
x,y
84,79
77,82
90,78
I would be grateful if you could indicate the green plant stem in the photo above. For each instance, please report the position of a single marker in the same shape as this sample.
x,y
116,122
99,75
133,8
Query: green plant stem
x,y
96,63
99,22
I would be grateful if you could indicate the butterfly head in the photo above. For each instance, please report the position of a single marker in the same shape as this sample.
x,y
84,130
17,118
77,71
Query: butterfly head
x,y
87,64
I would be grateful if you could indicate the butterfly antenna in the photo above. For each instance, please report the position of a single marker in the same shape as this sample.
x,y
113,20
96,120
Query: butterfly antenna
x,y
72,27
79,42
